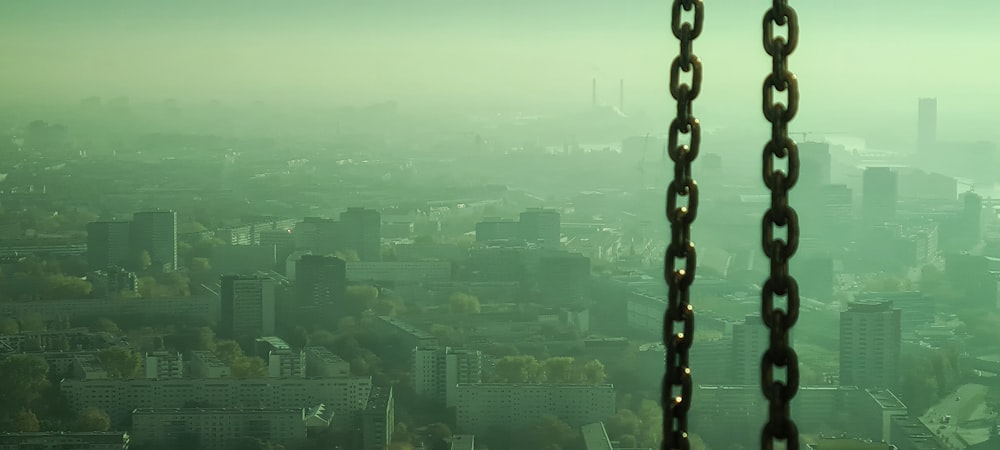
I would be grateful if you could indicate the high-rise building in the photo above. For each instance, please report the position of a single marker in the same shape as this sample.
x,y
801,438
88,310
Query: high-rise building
x,y
563,277
879,195
155,232
362,232
320,280
926,125
108,244
437,371
870,340
750,339
814,163
378,418
541,226
247,306
318,235
972,217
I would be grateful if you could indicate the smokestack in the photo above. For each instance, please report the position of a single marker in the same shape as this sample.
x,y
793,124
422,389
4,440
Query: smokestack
x,y
593,93
621,95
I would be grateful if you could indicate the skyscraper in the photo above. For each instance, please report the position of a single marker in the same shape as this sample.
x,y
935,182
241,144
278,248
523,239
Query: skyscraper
x,y
320,280
541,226
926,125
362,232
108,244
156,232
870,340
247,306
879,194
815,164
750,338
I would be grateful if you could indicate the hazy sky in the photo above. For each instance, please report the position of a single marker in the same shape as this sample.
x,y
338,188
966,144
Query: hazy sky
x,y
862,64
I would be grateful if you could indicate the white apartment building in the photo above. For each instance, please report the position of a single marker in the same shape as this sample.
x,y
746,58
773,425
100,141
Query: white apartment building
x,y
480,407
399,271
437,371
164,365
215,428
204,364
118,397
286,365
321,362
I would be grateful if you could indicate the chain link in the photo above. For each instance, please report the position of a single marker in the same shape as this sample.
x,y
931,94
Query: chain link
x,y
677,386
780,426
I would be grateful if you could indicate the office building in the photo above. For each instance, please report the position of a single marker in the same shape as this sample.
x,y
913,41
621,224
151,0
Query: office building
x,y
362,232
164,365
247,306
346,397
318,235
109,245
438,371
378,419
870,340
879,195
563,277
155,232
215,428
484,407
320,280
926,125
971,218
322,363
495,229
541,226
204,364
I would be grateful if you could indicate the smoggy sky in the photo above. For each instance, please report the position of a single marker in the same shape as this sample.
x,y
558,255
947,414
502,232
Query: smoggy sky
x,y
861,64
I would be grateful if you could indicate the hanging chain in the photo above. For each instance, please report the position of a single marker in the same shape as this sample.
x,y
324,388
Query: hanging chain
x,y
679,310
779,394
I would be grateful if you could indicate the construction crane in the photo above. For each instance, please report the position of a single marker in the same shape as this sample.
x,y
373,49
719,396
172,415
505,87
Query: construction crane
x,y
805,134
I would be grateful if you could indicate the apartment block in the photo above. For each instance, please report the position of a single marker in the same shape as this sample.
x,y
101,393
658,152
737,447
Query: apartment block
x,y
482,407
437,371
378,419
215,428
164,365
321,362
344,396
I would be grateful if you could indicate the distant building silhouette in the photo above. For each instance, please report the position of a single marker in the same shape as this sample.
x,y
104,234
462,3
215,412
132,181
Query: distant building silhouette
x,y
156,232
541,226
879,195
320,280
108,244
362,232
926,126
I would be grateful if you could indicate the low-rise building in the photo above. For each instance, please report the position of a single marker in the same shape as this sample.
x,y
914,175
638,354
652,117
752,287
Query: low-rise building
x,y
88,367
399,271
204,364
164,365
321,362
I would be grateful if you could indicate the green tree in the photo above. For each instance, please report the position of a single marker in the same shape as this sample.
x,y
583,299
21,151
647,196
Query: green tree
x,y
199,264
92,419
32,322
228,351
60,287
359,299
593,372
623,423
120,362
519,369
23,380
551,432
462,303
561,370
105,325
248,367
9,326
25,421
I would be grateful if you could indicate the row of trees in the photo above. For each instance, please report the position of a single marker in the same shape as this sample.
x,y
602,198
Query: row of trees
x,y
559,370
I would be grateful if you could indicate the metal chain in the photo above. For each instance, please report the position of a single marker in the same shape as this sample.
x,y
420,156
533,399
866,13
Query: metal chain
x,y
780,426
679,311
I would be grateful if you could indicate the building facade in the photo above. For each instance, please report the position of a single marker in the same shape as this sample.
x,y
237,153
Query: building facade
x,y
215,428
437,371
482,407
156,232
248,306
870,341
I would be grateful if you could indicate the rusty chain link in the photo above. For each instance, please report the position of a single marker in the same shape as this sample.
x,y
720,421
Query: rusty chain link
x,y
780,426
679,311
